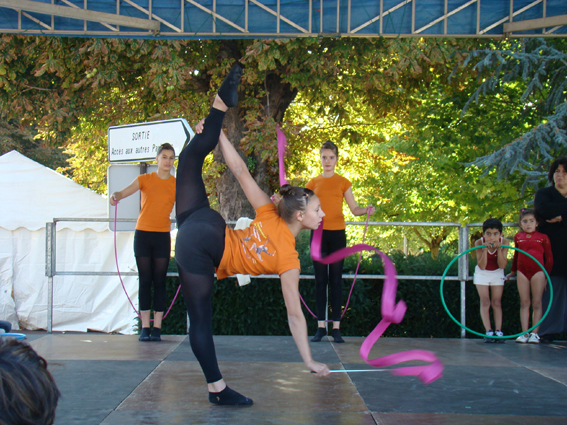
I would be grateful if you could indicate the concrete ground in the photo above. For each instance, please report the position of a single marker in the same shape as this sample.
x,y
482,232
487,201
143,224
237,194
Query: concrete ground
x,y
115,379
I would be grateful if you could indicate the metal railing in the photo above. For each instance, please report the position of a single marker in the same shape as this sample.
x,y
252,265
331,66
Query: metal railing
x,y
462,274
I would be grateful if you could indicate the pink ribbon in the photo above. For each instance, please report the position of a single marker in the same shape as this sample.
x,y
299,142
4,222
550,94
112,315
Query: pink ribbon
x,y
392,312
282,143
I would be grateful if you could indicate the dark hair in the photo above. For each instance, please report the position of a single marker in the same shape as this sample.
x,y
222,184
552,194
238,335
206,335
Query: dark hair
x,y
492,223
165,147
554,166
524,212
28,394
331,146
293,199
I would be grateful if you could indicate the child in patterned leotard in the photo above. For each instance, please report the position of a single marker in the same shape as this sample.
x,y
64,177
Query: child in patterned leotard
x,y
530,274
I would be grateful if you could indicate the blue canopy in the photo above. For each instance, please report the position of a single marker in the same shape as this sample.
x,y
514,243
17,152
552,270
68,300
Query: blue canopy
x,y
185,19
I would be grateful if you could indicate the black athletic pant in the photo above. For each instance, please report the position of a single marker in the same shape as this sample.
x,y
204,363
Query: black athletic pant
x,y
329,274
152,251
200,243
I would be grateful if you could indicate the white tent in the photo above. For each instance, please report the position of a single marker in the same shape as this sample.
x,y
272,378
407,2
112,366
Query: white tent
x,y
33,195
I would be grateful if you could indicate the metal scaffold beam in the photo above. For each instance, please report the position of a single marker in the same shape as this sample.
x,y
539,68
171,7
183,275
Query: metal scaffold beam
x,y
185,19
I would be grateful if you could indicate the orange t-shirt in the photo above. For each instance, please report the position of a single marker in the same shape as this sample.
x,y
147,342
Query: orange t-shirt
x,y
158,197
266,247
330,192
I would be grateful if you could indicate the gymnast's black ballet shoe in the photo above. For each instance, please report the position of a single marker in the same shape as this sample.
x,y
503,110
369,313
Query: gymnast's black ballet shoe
x,y
228,91
145,335
229,397
156,334
321,332
336,334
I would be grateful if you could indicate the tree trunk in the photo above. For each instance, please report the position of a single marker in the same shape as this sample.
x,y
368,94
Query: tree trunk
x,y
232,201
434,241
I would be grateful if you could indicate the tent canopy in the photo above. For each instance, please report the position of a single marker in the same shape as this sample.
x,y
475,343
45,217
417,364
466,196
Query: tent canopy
x,y
185,19
33,195
23,182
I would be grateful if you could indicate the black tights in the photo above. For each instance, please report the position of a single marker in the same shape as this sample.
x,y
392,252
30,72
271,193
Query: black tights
x,y
190,192
197,287
197,291
331,275
152,271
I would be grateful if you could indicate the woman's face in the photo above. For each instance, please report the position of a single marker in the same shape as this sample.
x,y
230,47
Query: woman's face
x,y
560,176
165,159
313,215
328,160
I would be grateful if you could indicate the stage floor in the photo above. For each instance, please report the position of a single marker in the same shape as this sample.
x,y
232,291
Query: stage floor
x,y
115,379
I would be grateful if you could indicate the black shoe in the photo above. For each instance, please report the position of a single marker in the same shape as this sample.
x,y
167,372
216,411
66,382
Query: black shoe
x,y
321,332
229,397
156,334
228,91
336,334
145,335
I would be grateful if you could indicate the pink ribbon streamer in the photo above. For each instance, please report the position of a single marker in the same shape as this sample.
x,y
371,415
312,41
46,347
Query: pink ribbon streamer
x,y
282,143
392,312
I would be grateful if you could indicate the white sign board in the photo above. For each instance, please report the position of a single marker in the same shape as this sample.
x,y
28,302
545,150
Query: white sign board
x,y
119,176
140,142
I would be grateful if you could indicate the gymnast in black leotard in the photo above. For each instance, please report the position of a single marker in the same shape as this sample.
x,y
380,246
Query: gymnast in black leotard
x,y
204,243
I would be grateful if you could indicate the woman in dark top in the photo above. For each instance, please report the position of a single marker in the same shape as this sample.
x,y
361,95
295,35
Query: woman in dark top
x,y
551,207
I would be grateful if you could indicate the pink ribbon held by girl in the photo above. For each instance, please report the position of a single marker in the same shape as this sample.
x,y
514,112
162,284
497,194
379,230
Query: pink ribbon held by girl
x,y
391,313
282,143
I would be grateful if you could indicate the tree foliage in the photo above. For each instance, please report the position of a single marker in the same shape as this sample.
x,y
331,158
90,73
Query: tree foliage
x,y
389,105
538,67
69,90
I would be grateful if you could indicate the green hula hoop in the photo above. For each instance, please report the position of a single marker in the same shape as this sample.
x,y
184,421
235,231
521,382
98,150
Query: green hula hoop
x,y
478,333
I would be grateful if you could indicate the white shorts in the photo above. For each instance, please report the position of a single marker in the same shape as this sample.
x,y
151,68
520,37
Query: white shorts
x,y
489,277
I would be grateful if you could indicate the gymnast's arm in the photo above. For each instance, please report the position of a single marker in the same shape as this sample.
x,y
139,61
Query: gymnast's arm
x,y
124,193
296,320
353,205
256,196
481,258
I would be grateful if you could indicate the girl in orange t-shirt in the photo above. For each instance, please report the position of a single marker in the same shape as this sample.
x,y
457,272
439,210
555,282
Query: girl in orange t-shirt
x,y
331,188
152,240
204,243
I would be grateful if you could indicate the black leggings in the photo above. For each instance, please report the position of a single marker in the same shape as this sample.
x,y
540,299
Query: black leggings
x,y
152,250
329,274
200,243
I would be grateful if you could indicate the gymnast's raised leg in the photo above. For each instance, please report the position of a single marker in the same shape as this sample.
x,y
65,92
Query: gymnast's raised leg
x,y
200,242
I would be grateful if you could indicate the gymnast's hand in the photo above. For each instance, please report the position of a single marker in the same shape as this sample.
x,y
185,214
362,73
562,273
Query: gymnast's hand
x,y
370,210
200,126
320,369
113,200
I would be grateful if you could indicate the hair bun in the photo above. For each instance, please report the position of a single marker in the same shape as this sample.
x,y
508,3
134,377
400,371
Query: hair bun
x,y
287,190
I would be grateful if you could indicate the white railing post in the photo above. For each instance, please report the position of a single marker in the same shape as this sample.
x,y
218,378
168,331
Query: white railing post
x,y
50,269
